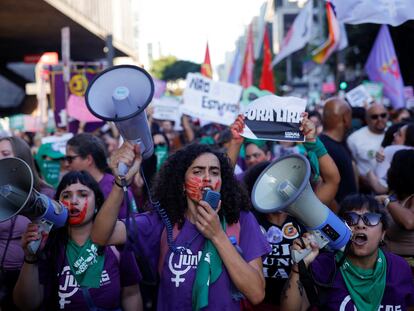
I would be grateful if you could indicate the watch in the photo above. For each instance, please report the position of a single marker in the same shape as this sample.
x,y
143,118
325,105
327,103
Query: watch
x,y
389,199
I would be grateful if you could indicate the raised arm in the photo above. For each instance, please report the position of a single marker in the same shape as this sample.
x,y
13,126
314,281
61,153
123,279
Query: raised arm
x,y
106,229
326,190
28,292
293,297
236,141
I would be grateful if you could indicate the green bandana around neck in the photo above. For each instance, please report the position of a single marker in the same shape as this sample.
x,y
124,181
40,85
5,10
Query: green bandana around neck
x,y
366,286
208,271
85,263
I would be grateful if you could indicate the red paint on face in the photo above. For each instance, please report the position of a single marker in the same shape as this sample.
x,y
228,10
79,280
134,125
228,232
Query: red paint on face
x,y
217,185
76,220
193,188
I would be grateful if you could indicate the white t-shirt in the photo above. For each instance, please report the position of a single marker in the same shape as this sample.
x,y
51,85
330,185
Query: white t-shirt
x,y
382,167
363,145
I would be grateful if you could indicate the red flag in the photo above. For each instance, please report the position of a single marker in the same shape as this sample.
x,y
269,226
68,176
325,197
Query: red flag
x,y
206,66
246,78
267,81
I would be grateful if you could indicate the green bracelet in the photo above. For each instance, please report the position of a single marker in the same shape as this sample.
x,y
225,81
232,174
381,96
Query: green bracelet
x,y
317,147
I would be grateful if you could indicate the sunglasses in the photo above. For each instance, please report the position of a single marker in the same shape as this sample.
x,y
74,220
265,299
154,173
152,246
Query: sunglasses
x,y
376,116
369,219
70,159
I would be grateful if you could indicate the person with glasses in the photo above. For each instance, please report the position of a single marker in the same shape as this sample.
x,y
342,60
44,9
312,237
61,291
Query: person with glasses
x,y
87,152
365,142
363,277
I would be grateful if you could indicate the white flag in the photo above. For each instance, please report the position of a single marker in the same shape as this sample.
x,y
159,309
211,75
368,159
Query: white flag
x,y
391,12
298,35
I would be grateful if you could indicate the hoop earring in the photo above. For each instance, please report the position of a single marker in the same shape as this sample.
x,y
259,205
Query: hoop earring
x,y
382,243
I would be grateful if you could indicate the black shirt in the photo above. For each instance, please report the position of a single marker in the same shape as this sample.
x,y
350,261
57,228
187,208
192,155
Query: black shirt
x,y
342,157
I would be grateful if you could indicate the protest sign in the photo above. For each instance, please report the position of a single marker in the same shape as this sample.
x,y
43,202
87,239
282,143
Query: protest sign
x,y
166,108
58,142
209,100
77,109
274,118
374,89
359,97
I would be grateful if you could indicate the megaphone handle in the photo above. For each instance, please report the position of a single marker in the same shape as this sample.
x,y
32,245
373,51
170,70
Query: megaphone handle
x,y
319,238
33,246
122,169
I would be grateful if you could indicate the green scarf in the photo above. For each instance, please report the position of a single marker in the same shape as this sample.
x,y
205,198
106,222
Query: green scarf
x,y
85,263
208,271
366,286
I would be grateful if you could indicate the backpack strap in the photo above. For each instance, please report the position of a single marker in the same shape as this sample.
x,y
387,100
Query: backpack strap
x,y
231,230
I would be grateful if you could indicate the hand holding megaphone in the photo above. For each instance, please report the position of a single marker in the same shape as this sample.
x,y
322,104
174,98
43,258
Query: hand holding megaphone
x,y
127,156
306,248
33,239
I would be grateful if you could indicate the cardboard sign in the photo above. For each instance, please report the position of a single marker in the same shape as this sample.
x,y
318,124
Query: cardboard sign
x,y
359,97
77,109
274,118
209,100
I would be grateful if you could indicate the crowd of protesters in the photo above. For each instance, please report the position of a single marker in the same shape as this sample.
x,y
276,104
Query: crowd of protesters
x,y
160,246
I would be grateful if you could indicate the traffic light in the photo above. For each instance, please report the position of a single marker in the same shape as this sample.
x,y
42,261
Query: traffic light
x,y
343,85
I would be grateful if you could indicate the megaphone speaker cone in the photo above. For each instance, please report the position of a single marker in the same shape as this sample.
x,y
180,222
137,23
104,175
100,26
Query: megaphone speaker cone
x,y
135,80
16,183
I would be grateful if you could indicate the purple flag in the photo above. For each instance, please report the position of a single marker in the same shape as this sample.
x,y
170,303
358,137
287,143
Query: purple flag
x,y
159,87
382,66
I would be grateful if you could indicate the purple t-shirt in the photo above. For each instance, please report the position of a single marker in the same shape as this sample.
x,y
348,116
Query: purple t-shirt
x,y
106,184
178,271
399,287
120,270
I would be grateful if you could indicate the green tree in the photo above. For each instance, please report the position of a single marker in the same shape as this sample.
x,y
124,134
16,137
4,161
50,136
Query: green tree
x,y
179,70
158,66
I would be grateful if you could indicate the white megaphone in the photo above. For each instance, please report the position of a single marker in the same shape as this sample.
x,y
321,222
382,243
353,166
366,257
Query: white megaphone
x,y
121,94
17,196
284,186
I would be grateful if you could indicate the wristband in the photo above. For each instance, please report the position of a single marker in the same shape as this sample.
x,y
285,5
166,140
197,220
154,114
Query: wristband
x,y
32,261
120,186
317,147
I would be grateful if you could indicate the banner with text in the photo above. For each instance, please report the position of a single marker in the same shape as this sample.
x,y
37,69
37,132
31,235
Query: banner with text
x,y
274,118
210,100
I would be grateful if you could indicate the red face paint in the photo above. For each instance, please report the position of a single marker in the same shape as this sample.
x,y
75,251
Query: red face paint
x,y
193,188
76,220
217,185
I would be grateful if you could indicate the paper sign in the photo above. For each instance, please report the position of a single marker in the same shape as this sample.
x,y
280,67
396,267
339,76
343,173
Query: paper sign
x,y
274,118
206,99
58,142
77,109
166,108
359,97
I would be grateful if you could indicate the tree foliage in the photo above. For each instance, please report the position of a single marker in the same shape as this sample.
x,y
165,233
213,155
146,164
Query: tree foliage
x,y
170,69
158,66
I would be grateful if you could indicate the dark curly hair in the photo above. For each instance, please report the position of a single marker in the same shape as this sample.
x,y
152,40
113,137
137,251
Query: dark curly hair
x,y
400,174
169,185
360,201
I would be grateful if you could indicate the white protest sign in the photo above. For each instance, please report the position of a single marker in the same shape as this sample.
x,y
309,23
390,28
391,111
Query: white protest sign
x,y
166,108
274,118
359,96
209,100
58,142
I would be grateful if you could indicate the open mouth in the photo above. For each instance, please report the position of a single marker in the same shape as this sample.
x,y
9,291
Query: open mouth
x,y
73,212
359,239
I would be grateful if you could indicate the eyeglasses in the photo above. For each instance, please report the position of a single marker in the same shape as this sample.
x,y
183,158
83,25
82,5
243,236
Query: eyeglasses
x,y
69,159
376,116
370,219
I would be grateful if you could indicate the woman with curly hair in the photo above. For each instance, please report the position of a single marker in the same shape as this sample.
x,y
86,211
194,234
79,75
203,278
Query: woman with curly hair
x,y
214,255
400,205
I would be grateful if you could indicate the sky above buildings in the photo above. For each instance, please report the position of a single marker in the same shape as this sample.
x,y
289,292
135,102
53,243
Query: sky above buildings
x,y
182,27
